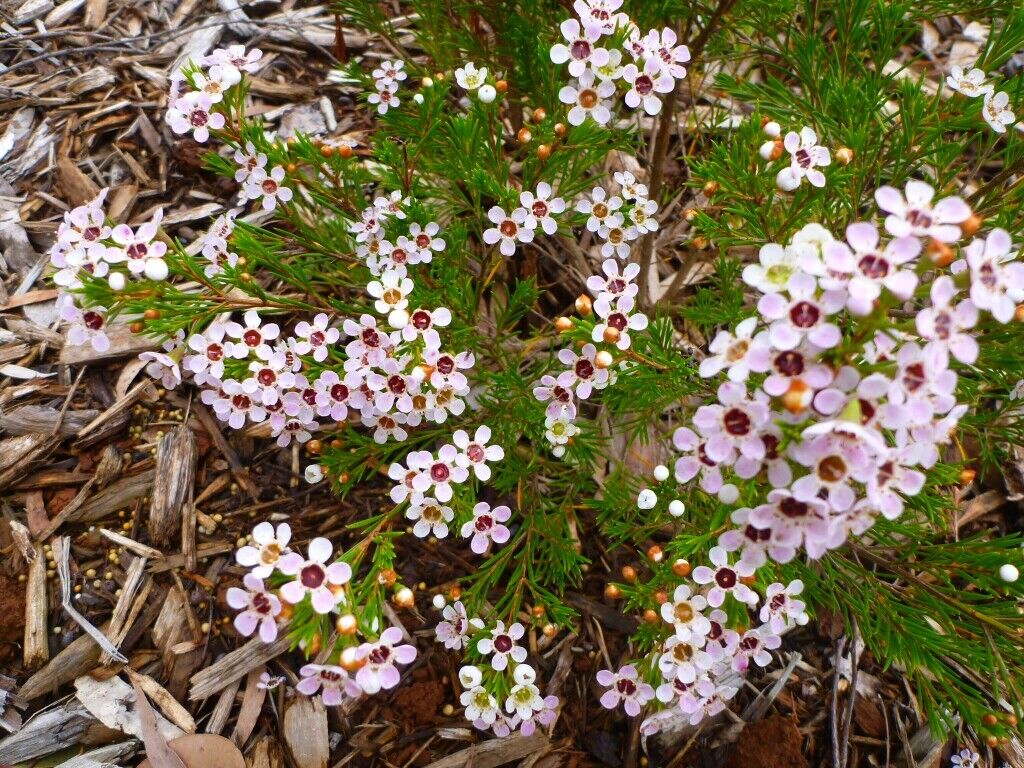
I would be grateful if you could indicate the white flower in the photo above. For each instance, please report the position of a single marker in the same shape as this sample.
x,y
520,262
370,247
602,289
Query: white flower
x,y
192,113
87,325
997,112
541,207
620,319
314,474
588,99
216,81
313,576
469,77
642,215
390,292
517,226
807,155
915,214
732,352
480,705
384,97
602,210
390,72
269,187
431,518
997,281
476,453
486,526
250,162
645,85
454,631
776,264
970,84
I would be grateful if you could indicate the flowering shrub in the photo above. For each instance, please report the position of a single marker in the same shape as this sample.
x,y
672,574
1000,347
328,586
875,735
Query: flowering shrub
x,y
390,306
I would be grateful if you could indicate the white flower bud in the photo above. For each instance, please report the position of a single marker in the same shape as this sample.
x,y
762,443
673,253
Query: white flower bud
x,y
314,474
469,676
398,318
676,508
427,82
772,130
647,499
116,281
802,619
661,473
728,494
787,180
156,269
766,150
439,601
524,674
418,98
1008,572
487,94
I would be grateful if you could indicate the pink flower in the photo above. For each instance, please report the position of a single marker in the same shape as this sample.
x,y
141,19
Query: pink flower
x,y
803,316
87,325
915,215
238,402
209,362
414,480
269,187
942,323
695,460
618,317
446,368
486,526
502,645
806,156
625,687
683,659
271,546
313,577
583,373
781,609
140,249
614,284
422,322
755,543
662,46
250,162
997,282
385,97
387,426
542,207
476,453
706,699
792,522
733,425
316,337
866,269
454,630
335,395
380,658
835,459
754,646
561,398
922,387
192,113
253,336
258,607
792,368
444,471
162,367
892,479
725,578
581,50
334,680
425,242
645,85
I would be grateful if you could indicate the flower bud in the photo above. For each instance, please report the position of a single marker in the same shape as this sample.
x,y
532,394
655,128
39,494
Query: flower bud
x,y
314,447
1008,573
990,719
563,324
611,335
690,214
345,151
629,574
349,661
543,152
676,508
524,135
561,130
404,598
156,269
787,180
291,167
584,305
647,499
661,473
767,151
771,128
699,242
603,359
439,602
418,98
539,114
971,225
710,188
538,610
346,624
427,82
681,568
387,577
1018,313
116,281
844,155
550,630
651,616
797,397
151,314
501,86
612,592
941,255
487,94
661,597
967,475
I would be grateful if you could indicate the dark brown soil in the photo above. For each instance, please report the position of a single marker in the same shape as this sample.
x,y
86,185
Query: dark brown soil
x,y
772,743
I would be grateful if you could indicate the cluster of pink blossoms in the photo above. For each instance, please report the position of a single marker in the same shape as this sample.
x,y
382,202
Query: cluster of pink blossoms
x,y
321,582
657,62
524,708
192,110
702,661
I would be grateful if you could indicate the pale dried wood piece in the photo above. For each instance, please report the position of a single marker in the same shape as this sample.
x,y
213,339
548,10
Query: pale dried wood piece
x,y
490,754
176,458
167,704
90,80
266,754
62,12
131,545
119,618
109,467
197,213
78,658
115,496
236,665
18,251
29,10
222,709
50,731
36,647
158,752
145,387
249,712
61,547
203,551
28,330
30,297
304,730
109,756
95,13
115,704
78,188
19,454
122,343
10,703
